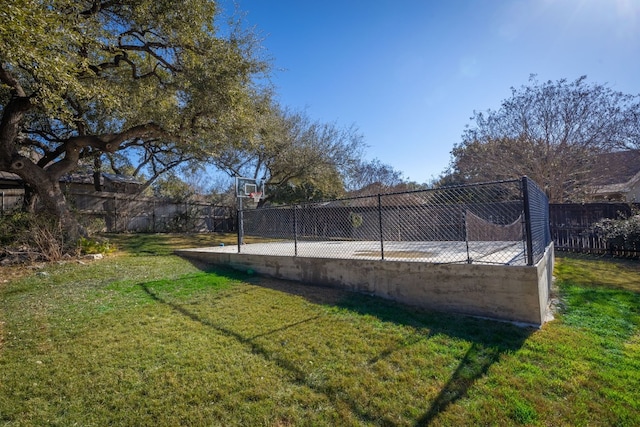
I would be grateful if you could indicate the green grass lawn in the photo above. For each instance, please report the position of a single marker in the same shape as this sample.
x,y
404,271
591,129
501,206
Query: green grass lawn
x,y
144,338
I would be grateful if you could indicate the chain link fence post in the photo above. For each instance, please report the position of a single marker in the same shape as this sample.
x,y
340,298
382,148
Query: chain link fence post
x,y
466,235
527,220
240,224
380,227
295,230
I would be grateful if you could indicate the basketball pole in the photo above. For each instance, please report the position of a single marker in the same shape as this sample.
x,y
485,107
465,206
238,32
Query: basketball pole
x,y
246,187
240,224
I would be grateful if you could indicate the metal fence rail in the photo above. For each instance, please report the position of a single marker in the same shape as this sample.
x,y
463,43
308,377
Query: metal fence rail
x,y
491,223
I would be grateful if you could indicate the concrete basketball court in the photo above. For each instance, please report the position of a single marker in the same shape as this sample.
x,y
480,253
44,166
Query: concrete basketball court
x,y
501,253
496,284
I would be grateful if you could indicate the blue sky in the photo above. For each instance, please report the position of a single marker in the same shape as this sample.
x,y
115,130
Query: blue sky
x,y
409,73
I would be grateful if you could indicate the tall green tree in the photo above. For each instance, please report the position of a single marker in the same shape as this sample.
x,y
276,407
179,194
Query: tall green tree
x,y
550,131
299,159
80,78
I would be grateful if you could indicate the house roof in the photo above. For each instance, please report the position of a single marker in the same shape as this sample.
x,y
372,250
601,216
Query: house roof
x,y
87,178
618,167
120,178
8,176
78,178
616,173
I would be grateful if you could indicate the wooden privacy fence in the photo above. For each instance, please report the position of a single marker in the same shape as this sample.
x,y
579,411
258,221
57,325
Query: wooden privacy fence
x,y
118,212
572,227
10,200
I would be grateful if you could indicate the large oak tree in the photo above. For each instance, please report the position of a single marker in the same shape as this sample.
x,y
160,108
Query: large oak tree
x,y
79,78
550,131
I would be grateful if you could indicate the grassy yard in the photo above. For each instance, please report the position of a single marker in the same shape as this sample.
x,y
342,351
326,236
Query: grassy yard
x,y
144,338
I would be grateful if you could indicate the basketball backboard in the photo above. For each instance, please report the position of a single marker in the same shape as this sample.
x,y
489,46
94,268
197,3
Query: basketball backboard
x,y
247,187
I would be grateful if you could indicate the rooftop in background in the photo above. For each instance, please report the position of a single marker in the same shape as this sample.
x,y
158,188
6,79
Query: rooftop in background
x,y
618,167
109,182
617,176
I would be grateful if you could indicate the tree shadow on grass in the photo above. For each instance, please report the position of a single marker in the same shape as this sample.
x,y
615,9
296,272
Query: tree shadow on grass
x,y
473,366
489,339
300,377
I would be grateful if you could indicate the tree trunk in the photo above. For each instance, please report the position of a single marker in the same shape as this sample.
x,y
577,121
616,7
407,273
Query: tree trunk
x,y
97,172
50,198
29,199
54,203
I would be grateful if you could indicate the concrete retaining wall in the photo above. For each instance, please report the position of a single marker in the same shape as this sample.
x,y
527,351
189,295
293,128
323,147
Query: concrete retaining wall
x,y
512,293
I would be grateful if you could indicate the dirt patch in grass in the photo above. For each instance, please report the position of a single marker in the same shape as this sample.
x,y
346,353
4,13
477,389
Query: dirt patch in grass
x,y
9,273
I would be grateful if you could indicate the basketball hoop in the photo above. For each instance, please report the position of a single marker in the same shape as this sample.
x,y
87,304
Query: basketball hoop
x,y
255,196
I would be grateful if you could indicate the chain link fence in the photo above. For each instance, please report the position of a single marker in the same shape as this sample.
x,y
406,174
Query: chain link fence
x,y
493,223
537,231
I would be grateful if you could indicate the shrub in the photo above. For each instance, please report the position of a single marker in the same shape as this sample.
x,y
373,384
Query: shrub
x,y
27,237
621,234
93,225
12,226
91,246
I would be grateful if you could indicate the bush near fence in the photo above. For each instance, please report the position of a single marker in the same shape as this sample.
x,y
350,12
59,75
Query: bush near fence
x,y
10,200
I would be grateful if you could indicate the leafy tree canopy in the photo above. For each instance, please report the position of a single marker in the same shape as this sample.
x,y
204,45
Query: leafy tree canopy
x,y
82,78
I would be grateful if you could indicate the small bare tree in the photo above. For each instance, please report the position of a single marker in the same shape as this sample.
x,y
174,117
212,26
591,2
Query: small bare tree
x,y
551,132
